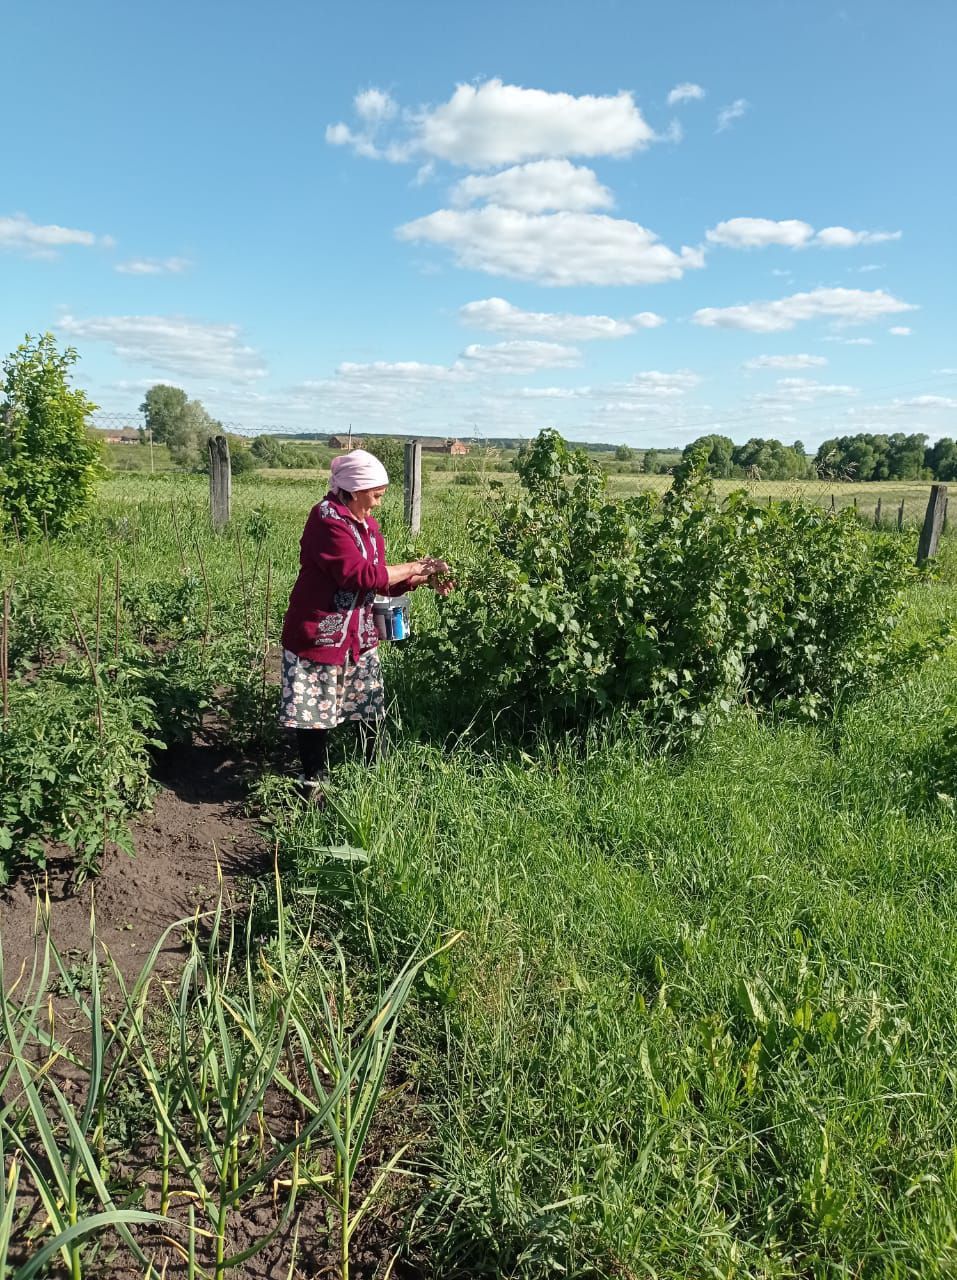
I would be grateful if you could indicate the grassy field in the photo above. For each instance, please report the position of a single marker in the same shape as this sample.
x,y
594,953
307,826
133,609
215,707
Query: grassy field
x,y
703,1019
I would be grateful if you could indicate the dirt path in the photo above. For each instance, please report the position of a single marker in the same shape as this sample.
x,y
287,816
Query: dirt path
x,y
198,815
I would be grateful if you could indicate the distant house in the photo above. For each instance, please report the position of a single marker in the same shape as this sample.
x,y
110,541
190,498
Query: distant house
x,y
455,447
345,442
118,435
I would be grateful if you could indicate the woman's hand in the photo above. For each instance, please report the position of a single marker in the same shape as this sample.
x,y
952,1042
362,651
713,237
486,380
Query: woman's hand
x,y
409,572
428,571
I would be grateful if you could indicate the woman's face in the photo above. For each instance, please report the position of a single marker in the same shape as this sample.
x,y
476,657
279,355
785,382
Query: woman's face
x,y
365,501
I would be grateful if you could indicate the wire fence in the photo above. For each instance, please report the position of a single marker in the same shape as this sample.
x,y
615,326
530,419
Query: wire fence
x,y
135,420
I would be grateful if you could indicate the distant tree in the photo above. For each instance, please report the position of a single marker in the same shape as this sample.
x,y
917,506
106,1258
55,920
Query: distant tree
x,y
164,408
624,454
242,460
650,462
770,459
941,459
906,455
48,462
268,450
187,446
390,450
717,450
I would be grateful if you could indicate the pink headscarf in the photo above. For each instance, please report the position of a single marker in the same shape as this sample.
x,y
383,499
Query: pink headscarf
x,y
357,470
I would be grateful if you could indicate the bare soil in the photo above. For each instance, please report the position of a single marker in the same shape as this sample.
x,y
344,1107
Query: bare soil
x,y
198,823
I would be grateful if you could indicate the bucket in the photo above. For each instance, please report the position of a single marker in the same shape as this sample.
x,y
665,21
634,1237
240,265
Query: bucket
x,y
392,617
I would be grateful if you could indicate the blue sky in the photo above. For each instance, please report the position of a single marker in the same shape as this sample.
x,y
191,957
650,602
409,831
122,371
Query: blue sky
x,y
635,222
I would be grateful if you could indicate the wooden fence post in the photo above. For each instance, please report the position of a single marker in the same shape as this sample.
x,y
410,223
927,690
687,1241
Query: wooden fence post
x,y
220,481
833,505
877,514
900,516
413,485
933,523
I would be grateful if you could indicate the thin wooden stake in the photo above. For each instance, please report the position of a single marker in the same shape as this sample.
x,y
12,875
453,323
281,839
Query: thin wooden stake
x,y
900,516
262,692
93,672
833,505
116,612
5,656
16,531
242,580
209,595
179,540
99,608
877,514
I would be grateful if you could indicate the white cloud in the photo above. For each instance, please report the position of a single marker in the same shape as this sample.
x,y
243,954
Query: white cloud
x,y
851,342
807,390
556,248
21,234
756,233
552,393
495,123
401,371
482,126
652,382
801,361
685,92
844,238
536,188
172,344
153,266
927,402
364,143
521,356
900,331
498,316
846,306
374,106
871,266
728,115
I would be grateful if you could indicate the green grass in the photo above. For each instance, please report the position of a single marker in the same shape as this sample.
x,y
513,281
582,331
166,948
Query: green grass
x,y
704,1019
705,1008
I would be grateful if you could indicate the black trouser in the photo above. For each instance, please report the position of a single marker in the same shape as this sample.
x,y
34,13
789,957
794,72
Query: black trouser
x,y
314,747
313,752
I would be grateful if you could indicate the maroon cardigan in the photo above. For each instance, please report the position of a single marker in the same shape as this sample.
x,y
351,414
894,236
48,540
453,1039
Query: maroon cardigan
x,y
341,569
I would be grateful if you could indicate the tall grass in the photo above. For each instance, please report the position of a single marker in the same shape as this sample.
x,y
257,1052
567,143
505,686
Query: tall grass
x,y
703,1022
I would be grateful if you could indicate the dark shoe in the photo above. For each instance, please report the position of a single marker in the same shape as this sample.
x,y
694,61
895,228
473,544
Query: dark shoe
x,y
312,791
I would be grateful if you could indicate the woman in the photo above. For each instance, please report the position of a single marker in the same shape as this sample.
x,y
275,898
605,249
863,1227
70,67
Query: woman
x,y
330,667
